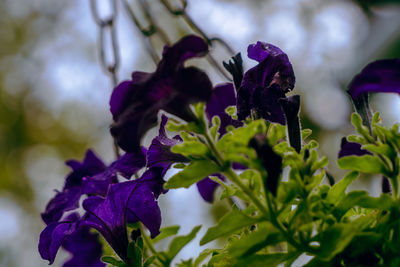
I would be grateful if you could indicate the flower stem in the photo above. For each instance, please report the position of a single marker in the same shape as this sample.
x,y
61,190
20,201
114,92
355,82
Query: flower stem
x,y
149,244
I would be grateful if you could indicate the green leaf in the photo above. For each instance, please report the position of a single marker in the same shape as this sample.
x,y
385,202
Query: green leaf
x,y
267,235
337,192
305,133
166,232
334,240
230,223
360,128
113,261
191,148
237,139
180,241
365,164
382,149
216,123
202,256
273,259
231,111
194,172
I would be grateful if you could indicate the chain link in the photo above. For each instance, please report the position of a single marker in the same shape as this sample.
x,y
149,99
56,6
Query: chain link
x,y
109,53
212,41
148,32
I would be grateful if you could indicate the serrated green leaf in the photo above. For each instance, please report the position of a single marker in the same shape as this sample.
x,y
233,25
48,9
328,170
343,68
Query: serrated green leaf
x,y
180,241
230,223
334,239
166,232
360,128
337,192
113,261
267,235
365,164
194,172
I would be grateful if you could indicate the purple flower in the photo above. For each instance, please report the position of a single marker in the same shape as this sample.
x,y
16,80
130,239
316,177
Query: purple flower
x,y
381,76
207,187
68,198
132,199
265,83
172,87
223,96
159,153
84,246
350,148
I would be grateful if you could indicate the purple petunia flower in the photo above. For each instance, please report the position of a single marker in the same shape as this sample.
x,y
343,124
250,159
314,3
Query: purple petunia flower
x,y
68,198
351,149
381,76
110,206
172,87
265,83
223,96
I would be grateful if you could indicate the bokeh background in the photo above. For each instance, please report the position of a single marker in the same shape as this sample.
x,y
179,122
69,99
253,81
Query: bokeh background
x,y
54,93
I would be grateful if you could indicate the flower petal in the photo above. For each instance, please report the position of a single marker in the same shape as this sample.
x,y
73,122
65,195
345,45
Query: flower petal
x,y
223,96
85,248
381,76
350,148
207,187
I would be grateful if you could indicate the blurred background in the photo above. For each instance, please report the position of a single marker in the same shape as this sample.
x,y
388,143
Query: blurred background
x,y
54,91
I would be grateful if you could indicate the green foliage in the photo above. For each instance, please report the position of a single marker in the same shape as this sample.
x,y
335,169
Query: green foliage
x,y
230,223
336,226
194,172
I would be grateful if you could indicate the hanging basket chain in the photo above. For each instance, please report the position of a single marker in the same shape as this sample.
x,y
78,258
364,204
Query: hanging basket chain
x,y
109,53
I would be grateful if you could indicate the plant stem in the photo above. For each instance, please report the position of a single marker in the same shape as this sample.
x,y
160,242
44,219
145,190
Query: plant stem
x,y
149,244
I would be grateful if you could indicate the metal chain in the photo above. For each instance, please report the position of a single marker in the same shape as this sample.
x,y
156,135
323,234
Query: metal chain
x,y
109,53
212,41
148,32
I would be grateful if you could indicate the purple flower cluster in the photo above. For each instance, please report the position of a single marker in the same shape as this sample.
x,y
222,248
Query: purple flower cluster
x,y
106,198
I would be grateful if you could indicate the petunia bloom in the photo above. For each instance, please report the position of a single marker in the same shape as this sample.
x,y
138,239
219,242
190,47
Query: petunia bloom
x,y
265,83
68,198
291,108
222,97
172,87
381,76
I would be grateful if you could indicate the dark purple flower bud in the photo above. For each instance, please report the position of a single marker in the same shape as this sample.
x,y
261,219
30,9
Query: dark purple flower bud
x,y
222,97
172,87
386,186
381,76
68,199
207,187
351,149
235,68
271,162
291,108
265,83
